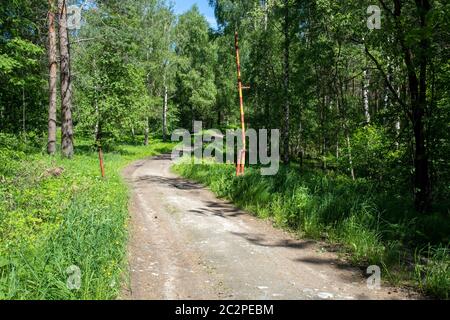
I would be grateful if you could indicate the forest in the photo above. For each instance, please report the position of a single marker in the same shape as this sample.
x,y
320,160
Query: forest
x,y
361,100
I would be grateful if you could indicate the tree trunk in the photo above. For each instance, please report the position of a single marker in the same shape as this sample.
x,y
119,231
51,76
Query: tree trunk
x,y
342,112
165,108
52,65
337,145
397,132
423,183
366,97
417,92
165,84
338,152
350,157
397,122
266,14
97,122
300,143
66,86
147,132
24,110
286,79
323,139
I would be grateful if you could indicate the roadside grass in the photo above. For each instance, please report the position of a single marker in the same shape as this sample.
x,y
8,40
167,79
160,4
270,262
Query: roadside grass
x,y
371,226
58,217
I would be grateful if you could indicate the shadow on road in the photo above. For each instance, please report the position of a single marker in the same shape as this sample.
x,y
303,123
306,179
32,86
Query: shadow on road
x,y
223,210
170,182
262,240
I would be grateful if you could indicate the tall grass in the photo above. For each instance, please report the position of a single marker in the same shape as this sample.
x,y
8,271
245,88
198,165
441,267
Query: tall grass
x,y
372,225
51,223
432,270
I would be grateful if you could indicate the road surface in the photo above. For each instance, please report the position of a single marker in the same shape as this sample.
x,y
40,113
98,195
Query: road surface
x,y
187,244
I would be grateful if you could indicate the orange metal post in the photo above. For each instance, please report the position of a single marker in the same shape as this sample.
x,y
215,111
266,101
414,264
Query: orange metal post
x,y
242,154
100,157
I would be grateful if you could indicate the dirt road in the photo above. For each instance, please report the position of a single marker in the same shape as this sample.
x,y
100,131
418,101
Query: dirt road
x,y
187,244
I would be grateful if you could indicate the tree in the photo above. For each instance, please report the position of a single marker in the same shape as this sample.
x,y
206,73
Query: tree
x,y
23,66
286,80
413,45
52,51
66,83
340,92
160,62
196,91
112,76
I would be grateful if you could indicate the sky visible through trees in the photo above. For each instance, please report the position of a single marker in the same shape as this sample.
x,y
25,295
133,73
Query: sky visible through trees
x,y
181,6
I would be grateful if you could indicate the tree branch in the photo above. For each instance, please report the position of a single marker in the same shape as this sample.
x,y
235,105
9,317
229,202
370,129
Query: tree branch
x,y
385,7
388,83
83,40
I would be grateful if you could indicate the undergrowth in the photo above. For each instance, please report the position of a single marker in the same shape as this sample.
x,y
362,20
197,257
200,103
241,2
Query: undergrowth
x,y
60,219
372,225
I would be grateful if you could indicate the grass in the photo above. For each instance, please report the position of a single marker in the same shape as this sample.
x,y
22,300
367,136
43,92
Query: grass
x,y
372,226
50,224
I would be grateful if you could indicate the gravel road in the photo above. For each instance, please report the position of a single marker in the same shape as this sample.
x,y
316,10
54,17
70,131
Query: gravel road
x,y
187,244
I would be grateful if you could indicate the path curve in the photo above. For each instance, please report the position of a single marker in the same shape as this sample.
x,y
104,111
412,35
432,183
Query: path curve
x,y
187,244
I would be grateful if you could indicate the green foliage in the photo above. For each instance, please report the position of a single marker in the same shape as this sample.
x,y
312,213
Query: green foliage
x,y
196,89
374,154
50,222
112,95
22,68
